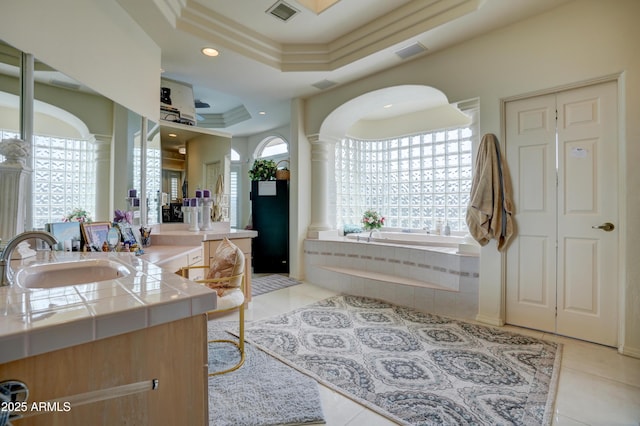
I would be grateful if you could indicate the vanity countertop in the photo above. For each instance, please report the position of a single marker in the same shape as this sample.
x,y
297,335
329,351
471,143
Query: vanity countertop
x,y
38,320
194,238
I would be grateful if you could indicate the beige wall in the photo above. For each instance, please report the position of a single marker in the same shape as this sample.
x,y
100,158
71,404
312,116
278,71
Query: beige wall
x,y
200,151
578,42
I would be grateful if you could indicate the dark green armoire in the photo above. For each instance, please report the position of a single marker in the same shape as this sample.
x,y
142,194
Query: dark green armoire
x,y
270,217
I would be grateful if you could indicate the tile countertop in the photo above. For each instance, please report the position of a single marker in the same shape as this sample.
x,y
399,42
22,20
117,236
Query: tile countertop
x,y
38,320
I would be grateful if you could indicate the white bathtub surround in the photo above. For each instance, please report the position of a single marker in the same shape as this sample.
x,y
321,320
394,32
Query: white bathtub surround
x,y
464,244
431,279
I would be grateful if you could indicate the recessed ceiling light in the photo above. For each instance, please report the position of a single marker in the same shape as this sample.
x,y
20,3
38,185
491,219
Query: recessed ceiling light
x,y
262,113
210,51
173,135
387,106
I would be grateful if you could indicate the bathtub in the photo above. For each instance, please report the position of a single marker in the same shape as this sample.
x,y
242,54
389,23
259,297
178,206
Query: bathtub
x,y
462,244
426,272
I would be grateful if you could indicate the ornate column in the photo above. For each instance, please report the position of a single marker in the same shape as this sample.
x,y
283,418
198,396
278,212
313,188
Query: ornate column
x,y
321,154
15,175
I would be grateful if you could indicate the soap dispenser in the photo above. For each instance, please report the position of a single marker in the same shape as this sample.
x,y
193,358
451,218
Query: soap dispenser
x,y
447,229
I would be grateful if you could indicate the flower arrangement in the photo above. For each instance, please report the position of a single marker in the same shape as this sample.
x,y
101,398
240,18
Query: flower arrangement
x,y
78,215
263,170
121,216
371,220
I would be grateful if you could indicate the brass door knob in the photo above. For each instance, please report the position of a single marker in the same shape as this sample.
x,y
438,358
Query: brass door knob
x,y
607,226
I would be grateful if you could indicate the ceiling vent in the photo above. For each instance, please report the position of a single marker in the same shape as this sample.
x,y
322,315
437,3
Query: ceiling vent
x,y
282,11
411,50
324,84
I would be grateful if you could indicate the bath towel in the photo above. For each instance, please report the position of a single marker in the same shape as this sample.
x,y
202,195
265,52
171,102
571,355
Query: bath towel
x,y
489,215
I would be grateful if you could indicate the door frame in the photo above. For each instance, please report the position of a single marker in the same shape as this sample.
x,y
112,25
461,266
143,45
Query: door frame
x,y
622,187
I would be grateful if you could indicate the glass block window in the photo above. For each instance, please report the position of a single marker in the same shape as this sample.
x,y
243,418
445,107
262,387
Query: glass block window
x,y
153,178
64,177
413,181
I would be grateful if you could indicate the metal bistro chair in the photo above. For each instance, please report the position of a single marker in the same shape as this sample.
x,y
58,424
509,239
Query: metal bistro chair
x,y
232,298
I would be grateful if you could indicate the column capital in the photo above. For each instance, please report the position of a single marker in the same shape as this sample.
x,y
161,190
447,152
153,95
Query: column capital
x,y
317,139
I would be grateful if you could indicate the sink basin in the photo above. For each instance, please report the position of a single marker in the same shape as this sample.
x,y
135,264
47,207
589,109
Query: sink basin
x,y
69,273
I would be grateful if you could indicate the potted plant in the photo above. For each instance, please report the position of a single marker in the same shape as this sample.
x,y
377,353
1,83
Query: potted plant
x,y
263,170
78,215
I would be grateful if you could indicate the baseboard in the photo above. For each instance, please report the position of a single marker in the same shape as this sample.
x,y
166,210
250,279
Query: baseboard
x,y
629,351
498,322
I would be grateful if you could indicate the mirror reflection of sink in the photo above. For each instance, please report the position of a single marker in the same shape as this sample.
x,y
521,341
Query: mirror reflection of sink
x,y
69,273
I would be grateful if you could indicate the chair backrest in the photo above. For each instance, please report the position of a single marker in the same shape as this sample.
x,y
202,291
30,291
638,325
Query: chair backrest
x,y
238,269
228,261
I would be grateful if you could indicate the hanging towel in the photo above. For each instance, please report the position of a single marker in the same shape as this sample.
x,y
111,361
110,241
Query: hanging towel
x,y
489,215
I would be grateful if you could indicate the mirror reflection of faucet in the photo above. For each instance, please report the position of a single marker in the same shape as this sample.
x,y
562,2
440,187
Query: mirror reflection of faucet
x,y
17,243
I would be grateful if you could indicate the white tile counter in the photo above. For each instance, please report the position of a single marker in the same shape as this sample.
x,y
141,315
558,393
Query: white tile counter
x,y
39,320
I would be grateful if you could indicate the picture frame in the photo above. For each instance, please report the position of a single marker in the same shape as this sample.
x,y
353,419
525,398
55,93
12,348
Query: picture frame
x,y
67,233
95,234
130,235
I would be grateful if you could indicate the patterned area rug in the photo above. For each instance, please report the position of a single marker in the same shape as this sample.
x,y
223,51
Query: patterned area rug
x,y
265,284
263,392
417,368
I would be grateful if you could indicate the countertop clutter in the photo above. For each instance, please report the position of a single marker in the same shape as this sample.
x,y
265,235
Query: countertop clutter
x,y
39,320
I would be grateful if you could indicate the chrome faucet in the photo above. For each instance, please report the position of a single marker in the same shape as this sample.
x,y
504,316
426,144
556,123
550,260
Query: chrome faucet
x,y
5,256
377,231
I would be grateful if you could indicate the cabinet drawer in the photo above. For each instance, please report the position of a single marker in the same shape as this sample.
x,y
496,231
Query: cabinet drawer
x,y
195,258
197,274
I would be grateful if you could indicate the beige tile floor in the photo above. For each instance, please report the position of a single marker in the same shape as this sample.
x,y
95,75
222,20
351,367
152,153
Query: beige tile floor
x,y
597,385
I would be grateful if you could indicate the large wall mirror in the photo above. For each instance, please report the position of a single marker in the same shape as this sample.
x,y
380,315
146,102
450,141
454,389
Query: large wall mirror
x,y
87,149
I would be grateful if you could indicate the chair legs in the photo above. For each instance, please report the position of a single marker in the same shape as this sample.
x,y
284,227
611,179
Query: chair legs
x,y
239,344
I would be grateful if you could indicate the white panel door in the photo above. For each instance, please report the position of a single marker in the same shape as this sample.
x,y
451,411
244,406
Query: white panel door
x,y
562,269
531,266
588,199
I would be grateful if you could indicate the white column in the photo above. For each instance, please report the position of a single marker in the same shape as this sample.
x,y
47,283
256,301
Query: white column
x,y
102,149
15,175
27,67
321,154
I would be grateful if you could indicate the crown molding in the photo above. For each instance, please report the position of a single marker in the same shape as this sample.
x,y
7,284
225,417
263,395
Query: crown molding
x,y
409,20
171,9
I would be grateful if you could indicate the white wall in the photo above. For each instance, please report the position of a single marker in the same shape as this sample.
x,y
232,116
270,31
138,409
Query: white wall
x,y
577,42
87,48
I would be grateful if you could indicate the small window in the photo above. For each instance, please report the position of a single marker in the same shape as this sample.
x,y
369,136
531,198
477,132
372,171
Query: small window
x,y
275,146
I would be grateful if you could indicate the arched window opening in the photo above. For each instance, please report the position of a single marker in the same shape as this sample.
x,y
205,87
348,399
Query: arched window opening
x,y
418,181
274,147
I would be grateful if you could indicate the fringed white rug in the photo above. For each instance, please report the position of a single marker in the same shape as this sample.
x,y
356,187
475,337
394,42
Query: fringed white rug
x,y
417,368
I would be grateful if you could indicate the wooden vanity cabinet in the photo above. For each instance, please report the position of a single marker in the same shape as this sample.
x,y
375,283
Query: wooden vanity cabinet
x,y
174,353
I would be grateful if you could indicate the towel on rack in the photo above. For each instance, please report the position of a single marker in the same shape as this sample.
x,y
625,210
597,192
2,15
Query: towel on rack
x,y
490,210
